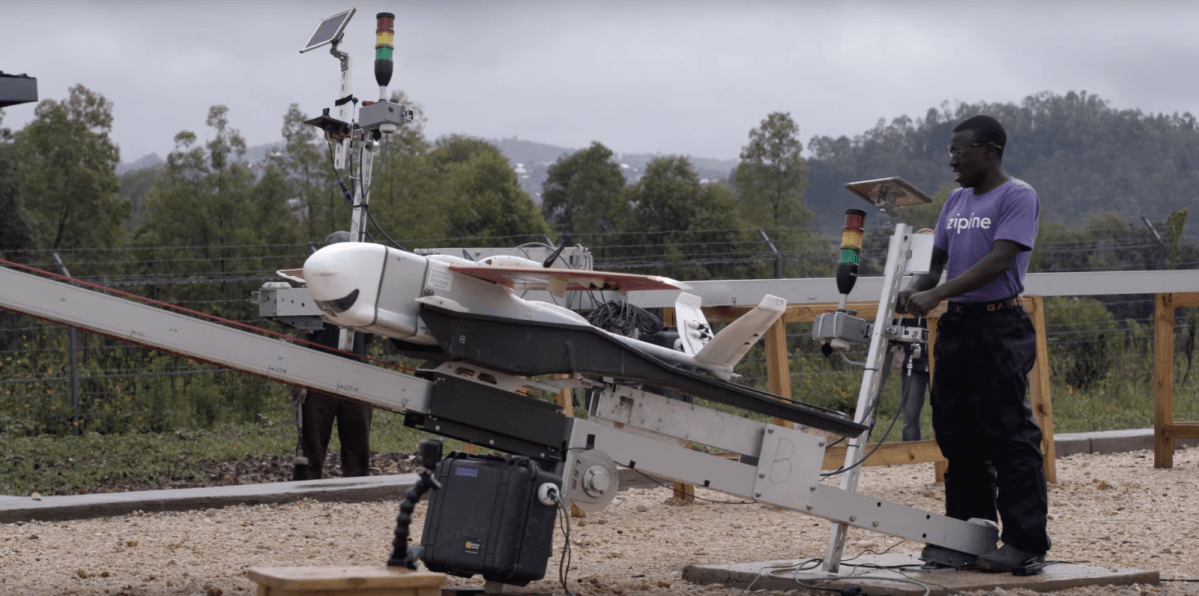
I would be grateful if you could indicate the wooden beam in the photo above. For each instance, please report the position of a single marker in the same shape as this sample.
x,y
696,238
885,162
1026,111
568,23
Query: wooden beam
x,y
1163,380
801,313
778,365
1182,430
1188,300
889,454
1038,382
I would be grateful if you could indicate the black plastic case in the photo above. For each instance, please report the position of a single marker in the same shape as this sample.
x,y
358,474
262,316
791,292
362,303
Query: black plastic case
x,y
486,519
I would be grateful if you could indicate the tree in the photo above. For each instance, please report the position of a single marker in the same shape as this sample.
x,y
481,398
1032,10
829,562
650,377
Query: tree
x,y
772,176
584,195
14,229
68,183
208,203
480,195
308,170
680,227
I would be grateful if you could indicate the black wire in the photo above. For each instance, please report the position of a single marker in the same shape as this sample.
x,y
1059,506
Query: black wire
x,y
564,562
377,227
623,317
345,192
878,398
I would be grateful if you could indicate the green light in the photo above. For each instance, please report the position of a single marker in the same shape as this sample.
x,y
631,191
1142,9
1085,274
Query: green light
x,y
383,53
849,255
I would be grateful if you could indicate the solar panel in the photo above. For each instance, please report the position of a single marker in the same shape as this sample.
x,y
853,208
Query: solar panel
x,y
328,31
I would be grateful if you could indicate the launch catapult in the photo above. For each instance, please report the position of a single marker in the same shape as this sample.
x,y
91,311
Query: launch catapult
x,y
486,346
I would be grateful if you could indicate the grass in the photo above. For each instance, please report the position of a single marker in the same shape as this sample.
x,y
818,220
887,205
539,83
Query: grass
x,y
49,464
58,464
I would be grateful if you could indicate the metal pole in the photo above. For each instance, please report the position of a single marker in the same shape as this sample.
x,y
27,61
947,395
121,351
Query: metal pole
x,y
871,379
72,356
778,257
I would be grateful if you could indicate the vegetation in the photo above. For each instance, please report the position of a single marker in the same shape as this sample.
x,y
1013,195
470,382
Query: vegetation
x,y
207,228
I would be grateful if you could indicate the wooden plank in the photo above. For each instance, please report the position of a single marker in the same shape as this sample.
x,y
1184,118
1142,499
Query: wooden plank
x,y
344,580
566,402
802,313
1182,430
1038,382
890,454
778,365
1187,300
1163,380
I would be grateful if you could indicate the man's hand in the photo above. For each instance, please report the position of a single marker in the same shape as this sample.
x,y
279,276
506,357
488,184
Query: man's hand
x,y
921,303
298,394
901,303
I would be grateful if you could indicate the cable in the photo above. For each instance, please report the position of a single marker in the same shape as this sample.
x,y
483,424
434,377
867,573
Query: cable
x,y
873,407
371,217
564,562
622,317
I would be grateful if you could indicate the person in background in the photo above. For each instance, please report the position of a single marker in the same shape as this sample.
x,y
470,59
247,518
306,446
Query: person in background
x,y
914,376
318,411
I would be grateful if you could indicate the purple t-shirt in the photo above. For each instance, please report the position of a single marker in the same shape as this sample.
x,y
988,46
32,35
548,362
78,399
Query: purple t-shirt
x,y
970,223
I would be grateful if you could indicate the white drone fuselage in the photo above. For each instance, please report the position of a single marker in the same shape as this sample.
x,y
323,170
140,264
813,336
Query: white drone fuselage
x,y
375,289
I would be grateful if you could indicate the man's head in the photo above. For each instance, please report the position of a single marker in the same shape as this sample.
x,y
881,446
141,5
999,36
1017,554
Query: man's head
x,y
976,149
338,236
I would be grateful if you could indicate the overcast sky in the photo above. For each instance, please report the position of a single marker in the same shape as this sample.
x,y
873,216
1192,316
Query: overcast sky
x,y
647,76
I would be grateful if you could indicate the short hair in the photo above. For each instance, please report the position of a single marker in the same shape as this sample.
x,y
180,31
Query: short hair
x,y
986,130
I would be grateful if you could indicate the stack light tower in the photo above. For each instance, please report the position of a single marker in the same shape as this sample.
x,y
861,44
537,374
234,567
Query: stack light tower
x,y
851,250
384,47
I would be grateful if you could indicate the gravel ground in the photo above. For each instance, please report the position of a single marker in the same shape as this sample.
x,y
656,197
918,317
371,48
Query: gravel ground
x,y
1108,510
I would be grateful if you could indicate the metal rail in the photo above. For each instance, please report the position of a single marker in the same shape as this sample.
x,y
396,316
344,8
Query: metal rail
x,y
205,341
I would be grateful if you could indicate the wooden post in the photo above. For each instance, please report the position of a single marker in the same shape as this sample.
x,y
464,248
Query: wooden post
x,y
1163,380
1038,382
566,402
778,365
682,490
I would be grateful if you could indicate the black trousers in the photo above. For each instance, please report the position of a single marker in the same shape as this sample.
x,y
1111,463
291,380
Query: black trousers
x,y
353,430
985,427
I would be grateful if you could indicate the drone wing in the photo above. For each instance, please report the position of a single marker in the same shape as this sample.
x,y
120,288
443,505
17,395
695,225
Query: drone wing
x,y
559,281
296,275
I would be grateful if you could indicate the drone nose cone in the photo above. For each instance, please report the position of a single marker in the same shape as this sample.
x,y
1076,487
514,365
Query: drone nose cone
x,y
344,280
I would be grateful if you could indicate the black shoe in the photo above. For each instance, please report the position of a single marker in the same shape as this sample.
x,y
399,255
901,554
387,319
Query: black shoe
x,y
1009,558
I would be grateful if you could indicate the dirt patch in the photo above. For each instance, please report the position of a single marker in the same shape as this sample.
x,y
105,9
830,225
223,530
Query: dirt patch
x,y
1107,510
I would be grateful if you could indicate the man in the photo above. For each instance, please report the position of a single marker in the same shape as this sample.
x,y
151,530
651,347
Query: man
x,y
986,347
914,382
318,411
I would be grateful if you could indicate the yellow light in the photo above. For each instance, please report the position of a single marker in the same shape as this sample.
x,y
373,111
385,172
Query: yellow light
x,y
851,239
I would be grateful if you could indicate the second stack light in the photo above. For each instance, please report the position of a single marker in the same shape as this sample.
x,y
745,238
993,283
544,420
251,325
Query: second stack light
x,y
384,48
851,249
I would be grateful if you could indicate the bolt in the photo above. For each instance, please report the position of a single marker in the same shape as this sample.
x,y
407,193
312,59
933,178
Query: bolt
x,y
761,474
809,506
820,443
769,429
875,524
853,518
758,494
812,488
